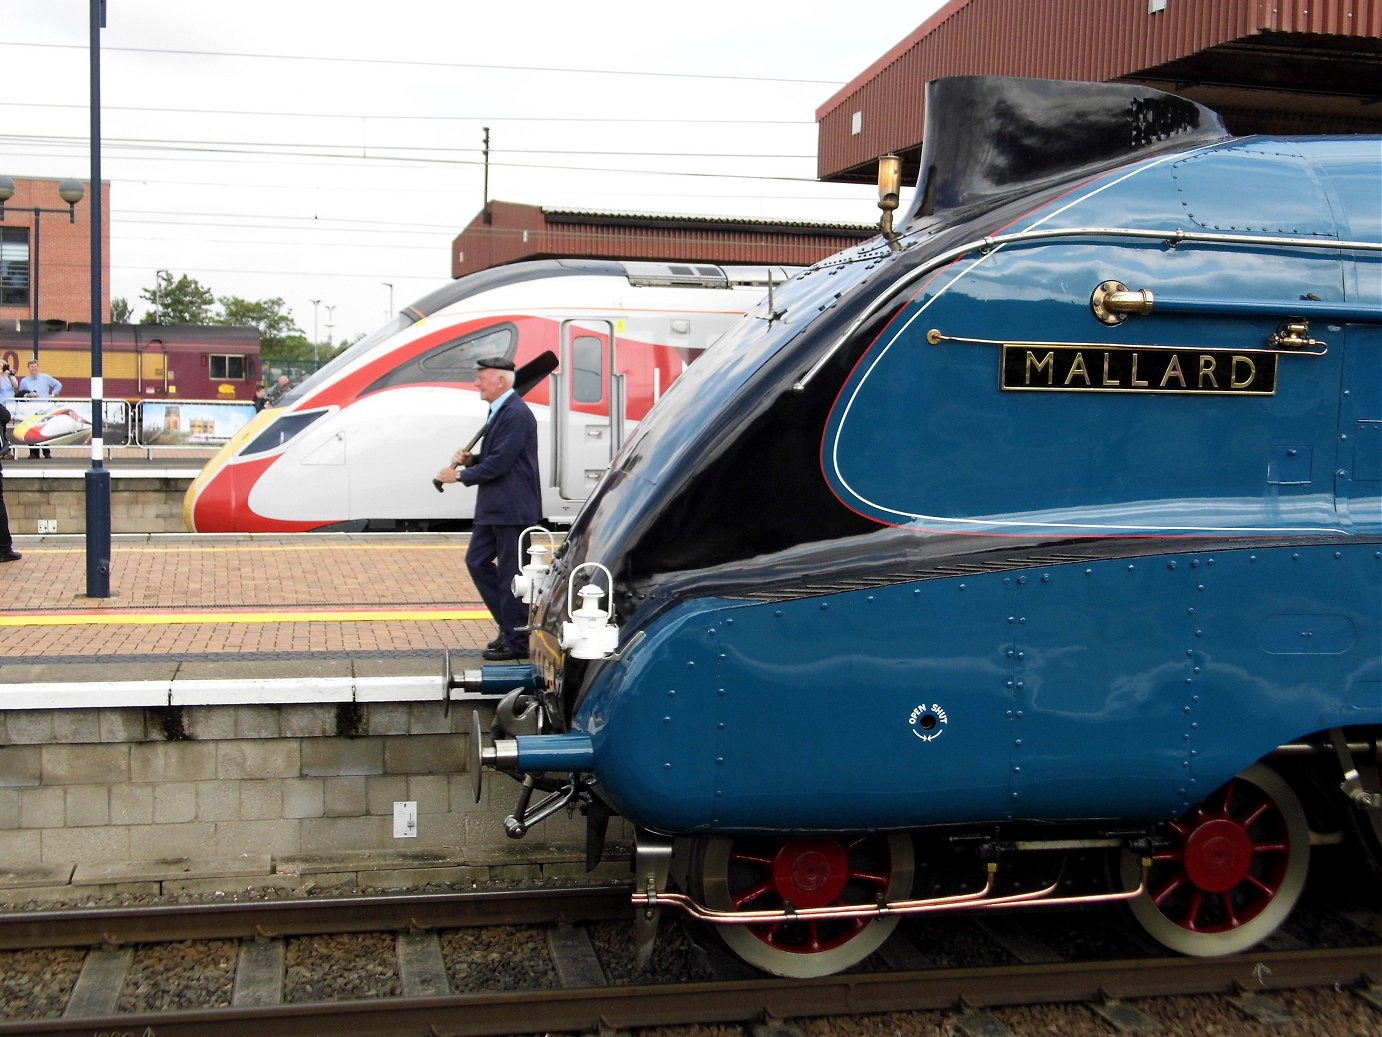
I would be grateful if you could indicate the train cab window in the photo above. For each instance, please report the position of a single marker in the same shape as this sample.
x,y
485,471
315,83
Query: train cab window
x,y
451,361
281,430
227,366
587,369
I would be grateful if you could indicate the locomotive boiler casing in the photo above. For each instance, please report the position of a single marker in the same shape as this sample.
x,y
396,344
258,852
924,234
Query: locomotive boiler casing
x,y
1033,693
937,539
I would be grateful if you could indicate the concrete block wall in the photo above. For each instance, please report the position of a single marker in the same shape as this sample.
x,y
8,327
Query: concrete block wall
x,y
137,505
102,799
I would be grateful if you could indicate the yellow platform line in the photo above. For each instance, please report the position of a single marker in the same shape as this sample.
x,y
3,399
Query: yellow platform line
x,y
50,619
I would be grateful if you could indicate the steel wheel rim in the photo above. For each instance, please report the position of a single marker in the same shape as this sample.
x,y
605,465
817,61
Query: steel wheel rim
x,y
754,874
1234,872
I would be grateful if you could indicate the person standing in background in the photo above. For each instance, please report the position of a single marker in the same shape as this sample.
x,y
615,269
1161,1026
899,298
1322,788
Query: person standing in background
x,y
9,389
38,386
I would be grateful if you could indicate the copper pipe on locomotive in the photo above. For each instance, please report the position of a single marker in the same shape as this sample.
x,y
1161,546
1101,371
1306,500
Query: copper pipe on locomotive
x,y
978,900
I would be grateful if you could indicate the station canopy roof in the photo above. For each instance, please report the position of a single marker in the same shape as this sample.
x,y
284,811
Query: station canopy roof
x,y
1267,66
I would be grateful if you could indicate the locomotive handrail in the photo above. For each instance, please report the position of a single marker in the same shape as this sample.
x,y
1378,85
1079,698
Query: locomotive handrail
x,y
935,337
991,242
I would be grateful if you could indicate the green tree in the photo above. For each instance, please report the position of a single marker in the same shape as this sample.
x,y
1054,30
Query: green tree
x,y
275,323
184,301
120,311
281,341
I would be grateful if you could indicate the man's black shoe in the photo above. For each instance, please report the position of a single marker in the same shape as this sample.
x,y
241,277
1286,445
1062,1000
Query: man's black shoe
x,y
10,556
503,655
498,642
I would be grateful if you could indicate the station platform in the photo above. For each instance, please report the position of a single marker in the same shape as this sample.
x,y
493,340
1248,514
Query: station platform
x,y
251,712
274,607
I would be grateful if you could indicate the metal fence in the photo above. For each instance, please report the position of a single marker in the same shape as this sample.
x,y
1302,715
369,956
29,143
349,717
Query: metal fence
x,y
142,428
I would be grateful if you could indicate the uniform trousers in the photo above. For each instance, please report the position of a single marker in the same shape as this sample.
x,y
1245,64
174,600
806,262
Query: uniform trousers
x,y
6,541
492,559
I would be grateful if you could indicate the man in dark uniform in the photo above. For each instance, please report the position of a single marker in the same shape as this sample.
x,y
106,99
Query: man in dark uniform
x,y
508,500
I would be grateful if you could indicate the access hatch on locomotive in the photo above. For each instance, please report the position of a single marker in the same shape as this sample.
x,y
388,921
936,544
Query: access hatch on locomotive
x,y
1046,526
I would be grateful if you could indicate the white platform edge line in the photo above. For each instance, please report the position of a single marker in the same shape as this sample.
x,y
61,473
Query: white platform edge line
x,y
254,691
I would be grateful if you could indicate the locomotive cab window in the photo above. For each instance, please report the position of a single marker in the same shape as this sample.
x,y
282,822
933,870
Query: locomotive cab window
x,y
453,360
227,366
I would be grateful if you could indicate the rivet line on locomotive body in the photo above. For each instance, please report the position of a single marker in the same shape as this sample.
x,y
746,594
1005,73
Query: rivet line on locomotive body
x,y
1036,543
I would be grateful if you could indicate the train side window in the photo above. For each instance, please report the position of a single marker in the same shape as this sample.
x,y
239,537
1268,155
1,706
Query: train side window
x,y
587,369
226,366
453,360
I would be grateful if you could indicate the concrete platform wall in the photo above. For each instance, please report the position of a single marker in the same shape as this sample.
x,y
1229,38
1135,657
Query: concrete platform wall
x,y
137,505
202,798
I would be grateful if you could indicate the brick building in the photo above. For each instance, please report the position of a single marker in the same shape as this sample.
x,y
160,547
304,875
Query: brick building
x,y
1284,66
507,232
64,254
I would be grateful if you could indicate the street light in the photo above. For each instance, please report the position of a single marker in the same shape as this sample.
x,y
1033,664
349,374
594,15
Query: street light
x,y
389,286
71,192
315,303
329,325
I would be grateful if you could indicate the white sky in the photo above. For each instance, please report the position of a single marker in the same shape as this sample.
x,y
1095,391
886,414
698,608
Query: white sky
x,y
316,149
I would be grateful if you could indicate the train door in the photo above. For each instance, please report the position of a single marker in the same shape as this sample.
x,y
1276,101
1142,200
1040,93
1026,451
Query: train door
x,y
153,373
589,413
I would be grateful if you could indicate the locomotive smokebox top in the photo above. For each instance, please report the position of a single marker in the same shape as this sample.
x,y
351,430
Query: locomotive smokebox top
x,y
990,136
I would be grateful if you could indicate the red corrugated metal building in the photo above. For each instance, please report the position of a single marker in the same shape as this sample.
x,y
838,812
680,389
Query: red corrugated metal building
x,y
1283,66
506,232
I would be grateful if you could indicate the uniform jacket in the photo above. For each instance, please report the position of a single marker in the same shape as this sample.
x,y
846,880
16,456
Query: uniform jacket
x,y
505,469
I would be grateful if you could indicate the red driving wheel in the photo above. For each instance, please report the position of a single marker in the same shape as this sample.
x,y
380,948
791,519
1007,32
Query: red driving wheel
x,y
809,872
1234,870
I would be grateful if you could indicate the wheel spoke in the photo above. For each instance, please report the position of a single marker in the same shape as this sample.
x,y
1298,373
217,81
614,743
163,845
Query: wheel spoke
x,y
1256,815
877,878
1231,912
1173,883
748,896
1192,910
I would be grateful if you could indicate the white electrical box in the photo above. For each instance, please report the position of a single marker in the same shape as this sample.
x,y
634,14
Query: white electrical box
x,y
405,820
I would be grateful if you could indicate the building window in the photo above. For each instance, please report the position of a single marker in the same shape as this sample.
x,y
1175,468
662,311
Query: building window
x,y
227,366
14,266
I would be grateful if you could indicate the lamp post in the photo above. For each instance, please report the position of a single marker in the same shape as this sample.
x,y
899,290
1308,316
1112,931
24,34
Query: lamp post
x,y
71,192
389,286
315,303
330,340
97,479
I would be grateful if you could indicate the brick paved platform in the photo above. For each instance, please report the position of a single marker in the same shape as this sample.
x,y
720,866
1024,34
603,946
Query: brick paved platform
x,y
277,602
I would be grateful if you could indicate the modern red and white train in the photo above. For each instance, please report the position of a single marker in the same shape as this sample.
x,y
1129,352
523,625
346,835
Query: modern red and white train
x,y
355,446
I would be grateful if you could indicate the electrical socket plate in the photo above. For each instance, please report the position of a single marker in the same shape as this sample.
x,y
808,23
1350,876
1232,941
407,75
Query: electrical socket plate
x,y
47,525
405,820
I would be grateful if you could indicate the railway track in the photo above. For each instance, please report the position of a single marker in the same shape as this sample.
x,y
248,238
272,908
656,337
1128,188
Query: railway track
x,y
569,950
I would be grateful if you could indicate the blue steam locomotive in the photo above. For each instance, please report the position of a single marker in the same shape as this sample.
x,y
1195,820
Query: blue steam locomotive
x,y
1044,527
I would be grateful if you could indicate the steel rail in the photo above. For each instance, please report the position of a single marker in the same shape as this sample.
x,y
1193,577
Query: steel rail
x,y
310,916
629,1007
